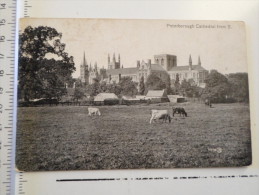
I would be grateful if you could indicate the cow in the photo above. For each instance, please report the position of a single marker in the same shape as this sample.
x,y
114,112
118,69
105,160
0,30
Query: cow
x,y
94,111
180,111
160,114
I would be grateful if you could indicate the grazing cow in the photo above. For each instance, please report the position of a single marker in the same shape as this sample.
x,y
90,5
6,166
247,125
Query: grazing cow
x,y
180,111
160,114
94,111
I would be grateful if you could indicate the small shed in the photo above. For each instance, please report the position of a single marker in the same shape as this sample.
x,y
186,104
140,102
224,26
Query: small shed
x,y
104,96
157,96
140,97
124,97
176,98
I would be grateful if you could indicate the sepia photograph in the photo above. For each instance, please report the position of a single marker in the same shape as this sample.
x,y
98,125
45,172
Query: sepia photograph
x,y
101,94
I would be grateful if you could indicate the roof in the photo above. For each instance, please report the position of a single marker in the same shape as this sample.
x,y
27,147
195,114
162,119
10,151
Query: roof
x,y
164,54
103,96
128,98
122,71
182,68
155,93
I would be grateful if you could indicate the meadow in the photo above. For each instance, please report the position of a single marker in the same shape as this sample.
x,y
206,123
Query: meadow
x,y
66,138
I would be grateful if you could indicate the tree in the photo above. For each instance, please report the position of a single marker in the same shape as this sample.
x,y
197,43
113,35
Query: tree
x,y
103,87
177,84
141,86
186,88
93,89
128,87
154,83
79,93
189,89
44,66
239,86
113,88
168,84
217,87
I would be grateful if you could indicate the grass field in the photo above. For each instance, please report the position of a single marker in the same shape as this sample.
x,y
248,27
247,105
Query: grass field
x,y
66,138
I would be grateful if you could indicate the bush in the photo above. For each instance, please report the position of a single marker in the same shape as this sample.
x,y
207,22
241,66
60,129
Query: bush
x,y
111,101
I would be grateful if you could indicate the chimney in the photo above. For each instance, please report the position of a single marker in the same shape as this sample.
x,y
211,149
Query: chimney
x,y
149,62
199,61
138,63
109,59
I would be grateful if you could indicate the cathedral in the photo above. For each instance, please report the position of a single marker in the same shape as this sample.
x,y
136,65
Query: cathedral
x,y
163,65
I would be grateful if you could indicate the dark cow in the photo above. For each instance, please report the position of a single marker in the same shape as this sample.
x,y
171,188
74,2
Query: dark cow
x,y
180,111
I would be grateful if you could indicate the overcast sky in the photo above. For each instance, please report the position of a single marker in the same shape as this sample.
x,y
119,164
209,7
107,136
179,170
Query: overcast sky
x,y
220,45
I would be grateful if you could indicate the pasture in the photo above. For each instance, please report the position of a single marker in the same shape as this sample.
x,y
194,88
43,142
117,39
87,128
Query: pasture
x,y
66,138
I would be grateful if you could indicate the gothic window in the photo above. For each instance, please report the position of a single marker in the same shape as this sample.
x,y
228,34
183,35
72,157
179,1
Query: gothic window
x,y
185,75
162,61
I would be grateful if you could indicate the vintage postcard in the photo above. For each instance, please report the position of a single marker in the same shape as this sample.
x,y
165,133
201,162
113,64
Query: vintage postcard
x,y
98,94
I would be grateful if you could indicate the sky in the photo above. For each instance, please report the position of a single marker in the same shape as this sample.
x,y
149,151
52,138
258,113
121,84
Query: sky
x,y
220,45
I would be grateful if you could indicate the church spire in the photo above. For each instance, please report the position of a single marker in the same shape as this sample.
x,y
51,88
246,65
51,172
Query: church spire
x,y
90,67
84,60
199,61
190,62
119,58
109,58
113,58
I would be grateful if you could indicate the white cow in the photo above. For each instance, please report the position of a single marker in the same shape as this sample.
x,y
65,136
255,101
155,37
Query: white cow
x,y
94,111
159,114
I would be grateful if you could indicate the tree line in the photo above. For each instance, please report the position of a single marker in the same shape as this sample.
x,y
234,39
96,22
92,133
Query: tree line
x,y
219,88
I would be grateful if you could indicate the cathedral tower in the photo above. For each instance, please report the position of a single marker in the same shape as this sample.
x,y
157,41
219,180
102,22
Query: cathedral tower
x,y
114,64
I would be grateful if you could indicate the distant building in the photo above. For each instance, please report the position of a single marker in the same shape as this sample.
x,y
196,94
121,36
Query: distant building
x,y
104,96
156,94
143,69
164,65
195,73
176,98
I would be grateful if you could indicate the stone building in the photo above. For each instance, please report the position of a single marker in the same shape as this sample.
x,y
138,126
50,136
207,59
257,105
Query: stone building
x,y
164,65
195,73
